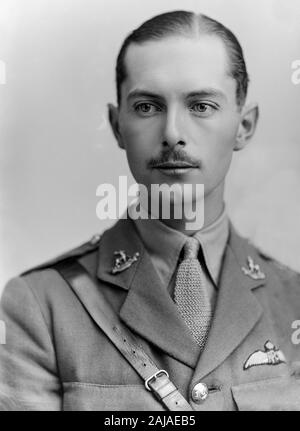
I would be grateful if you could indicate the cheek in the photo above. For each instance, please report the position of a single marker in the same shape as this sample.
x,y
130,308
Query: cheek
x,y
139,139
220,138
216,150
137,142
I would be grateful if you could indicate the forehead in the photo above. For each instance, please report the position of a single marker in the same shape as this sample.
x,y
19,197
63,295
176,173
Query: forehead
x,y
178,64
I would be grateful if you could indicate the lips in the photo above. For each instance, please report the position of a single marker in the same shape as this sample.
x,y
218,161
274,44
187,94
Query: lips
x,y
176,168
175,165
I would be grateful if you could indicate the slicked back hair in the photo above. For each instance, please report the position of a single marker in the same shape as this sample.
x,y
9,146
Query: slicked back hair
x,y
187,24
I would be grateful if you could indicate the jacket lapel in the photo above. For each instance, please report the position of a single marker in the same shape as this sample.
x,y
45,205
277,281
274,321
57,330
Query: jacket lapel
x,y
237,310
148,308
150,312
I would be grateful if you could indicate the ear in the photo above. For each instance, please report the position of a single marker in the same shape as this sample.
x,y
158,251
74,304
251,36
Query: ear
x,y
113,115
247,126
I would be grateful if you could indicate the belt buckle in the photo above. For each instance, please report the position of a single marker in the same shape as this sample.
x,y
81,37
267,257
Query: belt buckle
x,y
154,376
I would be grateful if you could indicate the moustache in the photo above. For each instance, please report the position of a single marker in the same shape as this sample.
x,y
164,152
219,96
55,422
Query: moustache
x,y
173,156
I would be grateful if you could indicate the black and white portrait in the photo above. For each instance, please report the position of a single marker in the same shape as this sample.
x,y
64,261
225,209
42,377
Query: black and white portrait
x,y
149,213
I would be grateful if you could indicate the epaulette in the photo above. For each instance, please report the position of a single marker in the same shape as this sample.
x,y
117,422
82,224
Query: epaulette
x,y
263,254
85,248
279,265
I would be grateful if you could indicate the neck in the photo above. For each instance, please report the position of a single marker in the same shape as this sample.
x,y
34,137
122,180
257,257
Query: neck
x,y
213,208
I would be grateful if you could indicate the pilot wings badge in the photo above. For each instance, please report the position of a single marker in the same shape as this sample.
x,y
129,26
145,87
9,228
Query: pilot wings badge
x,y
270,356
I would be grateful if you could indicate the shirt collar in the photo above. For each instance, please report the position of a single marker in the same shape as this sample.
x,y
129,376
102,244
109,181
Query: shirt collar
x,y
213,239
164,245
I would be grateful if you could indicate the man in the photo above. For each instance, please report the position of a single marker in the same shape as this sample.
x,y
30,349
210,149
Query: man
x,y
207,316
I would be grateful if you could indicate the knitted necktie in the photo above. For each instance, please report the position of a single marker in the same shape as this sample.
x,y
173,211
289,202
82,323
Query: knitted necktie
x,y
190,293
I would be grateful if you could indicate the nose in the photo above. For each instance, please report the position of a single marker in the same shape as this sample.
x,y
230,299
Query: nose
x,y
174,129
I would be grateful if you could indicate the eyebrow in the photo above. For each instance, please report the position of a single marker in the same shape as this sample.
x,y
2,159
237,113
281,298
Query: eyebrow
x,y
207,92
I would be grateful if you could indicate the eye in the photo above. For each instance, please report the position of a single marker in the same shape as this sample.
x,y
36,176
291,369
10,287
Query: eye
x,y
146,108
203,109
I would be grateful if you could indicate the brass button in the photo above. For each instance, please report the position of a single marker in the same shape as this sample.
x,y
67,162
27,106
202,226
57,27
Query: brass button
x,y
199,393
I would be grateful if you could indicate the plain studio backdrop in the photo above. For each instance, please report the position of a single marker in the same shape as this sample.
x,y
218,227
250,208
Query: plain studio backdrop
x,y
57,75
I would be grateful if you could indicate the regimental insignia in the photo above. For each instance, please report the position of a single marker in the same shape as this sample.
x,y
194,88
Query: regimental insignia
x,y
253,270
122,261
270,356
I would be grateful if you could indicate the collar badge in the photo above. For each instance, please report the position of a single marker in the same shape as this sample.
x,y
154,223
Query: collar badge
x,y
270,356
253,270
122,261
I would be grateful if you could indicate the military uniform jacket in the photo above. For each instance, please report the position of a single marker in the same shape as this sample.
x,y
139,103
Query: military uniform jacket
x,y
56,356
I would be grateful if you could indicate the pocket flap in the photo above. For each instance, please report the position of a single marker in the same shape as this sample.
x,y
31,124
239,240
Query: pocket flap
x,y
281,393
87,396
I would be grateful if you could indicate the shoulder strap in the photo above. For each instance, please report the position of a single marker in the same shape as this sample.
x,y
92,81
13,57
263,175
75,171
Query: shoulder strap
x,y
156,380
83,249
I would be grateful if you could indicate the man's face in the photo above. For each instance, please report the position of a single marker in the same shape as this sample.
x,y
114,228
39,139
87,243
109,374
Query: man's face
x,y
178,118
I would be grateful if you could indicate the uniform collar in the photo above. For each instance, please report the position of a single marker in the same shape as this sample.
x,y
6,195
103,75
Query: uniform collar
x,y
150,312
164,245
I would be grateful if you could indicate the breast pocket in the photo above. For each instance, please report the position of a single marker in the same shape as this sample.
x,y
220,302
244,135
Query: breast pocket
x,y
276,394
86,396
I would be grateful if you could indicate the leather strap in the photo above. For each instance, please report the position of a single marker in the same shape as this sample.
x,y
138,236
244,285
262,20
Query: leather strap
x,y
156,380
